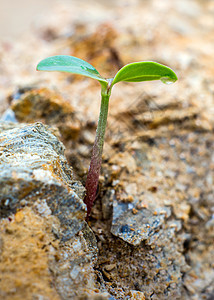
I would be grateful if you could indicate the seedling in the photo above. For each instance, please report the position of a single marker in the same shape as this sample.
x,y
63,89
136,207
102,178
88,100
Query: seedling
x,y
134,72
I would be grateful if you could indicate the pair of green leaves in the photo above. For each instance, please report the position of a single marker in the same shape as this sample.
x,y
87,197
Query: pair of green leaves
x,y
134,72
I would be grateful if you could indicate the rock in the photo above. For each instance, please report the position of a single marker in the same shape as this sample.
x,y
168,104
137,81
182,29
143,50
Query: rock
x,y
133,225
28,246
41,104
34,172
136,295
47,249
154,267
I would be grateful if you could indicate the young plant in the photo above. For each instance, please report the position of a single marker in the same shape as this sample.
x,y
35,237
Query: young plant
x,y
134,72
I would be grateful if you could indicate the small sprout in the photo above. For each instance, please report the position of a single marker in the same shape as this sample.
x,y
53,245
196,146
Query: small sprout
x,y
134,72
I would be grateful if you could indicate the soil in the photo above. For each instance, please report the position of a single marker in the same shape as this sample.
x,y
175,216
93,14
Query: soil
x,y
153,216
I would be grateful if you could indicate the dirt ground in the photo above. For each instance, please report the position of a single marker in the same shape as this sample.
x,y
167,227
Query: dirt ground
x,y
158,160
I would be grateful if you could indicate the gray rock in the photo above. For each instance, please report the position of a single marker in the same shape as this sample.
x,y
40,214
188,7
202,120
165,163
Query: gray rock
x,y
47,249
134,226
33,168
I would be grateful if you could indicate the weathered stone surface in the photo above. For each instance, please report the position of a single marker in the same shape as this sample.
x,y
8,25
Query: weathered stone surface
x,y
33,168
155,267
32,104
134,225
28,246
159,191
47,250
35,263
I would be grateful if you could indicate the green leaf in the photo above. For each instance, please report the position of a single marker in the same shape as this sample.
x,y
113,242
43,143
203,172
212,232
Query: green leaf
x,y
145,71
70,64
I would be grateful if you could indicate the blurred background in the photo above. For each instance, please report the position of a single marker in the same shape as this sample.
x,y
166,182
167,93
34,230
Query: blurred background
x,y
17,16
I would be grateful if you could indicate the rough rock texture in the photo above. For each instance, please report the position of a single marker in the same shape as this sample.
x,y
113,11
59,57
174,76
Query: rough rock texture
x,y
32,104
47,250
34,170
163,212
153,218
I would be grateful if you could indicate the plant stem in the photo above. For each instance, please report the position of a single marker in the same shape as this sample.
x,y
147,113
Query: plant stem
x,y
96,159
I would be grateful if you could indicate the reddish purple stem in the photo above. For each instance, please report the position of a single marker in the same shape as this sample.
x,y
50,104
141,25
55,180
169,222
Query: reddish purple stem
x,y
92,180
96,160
